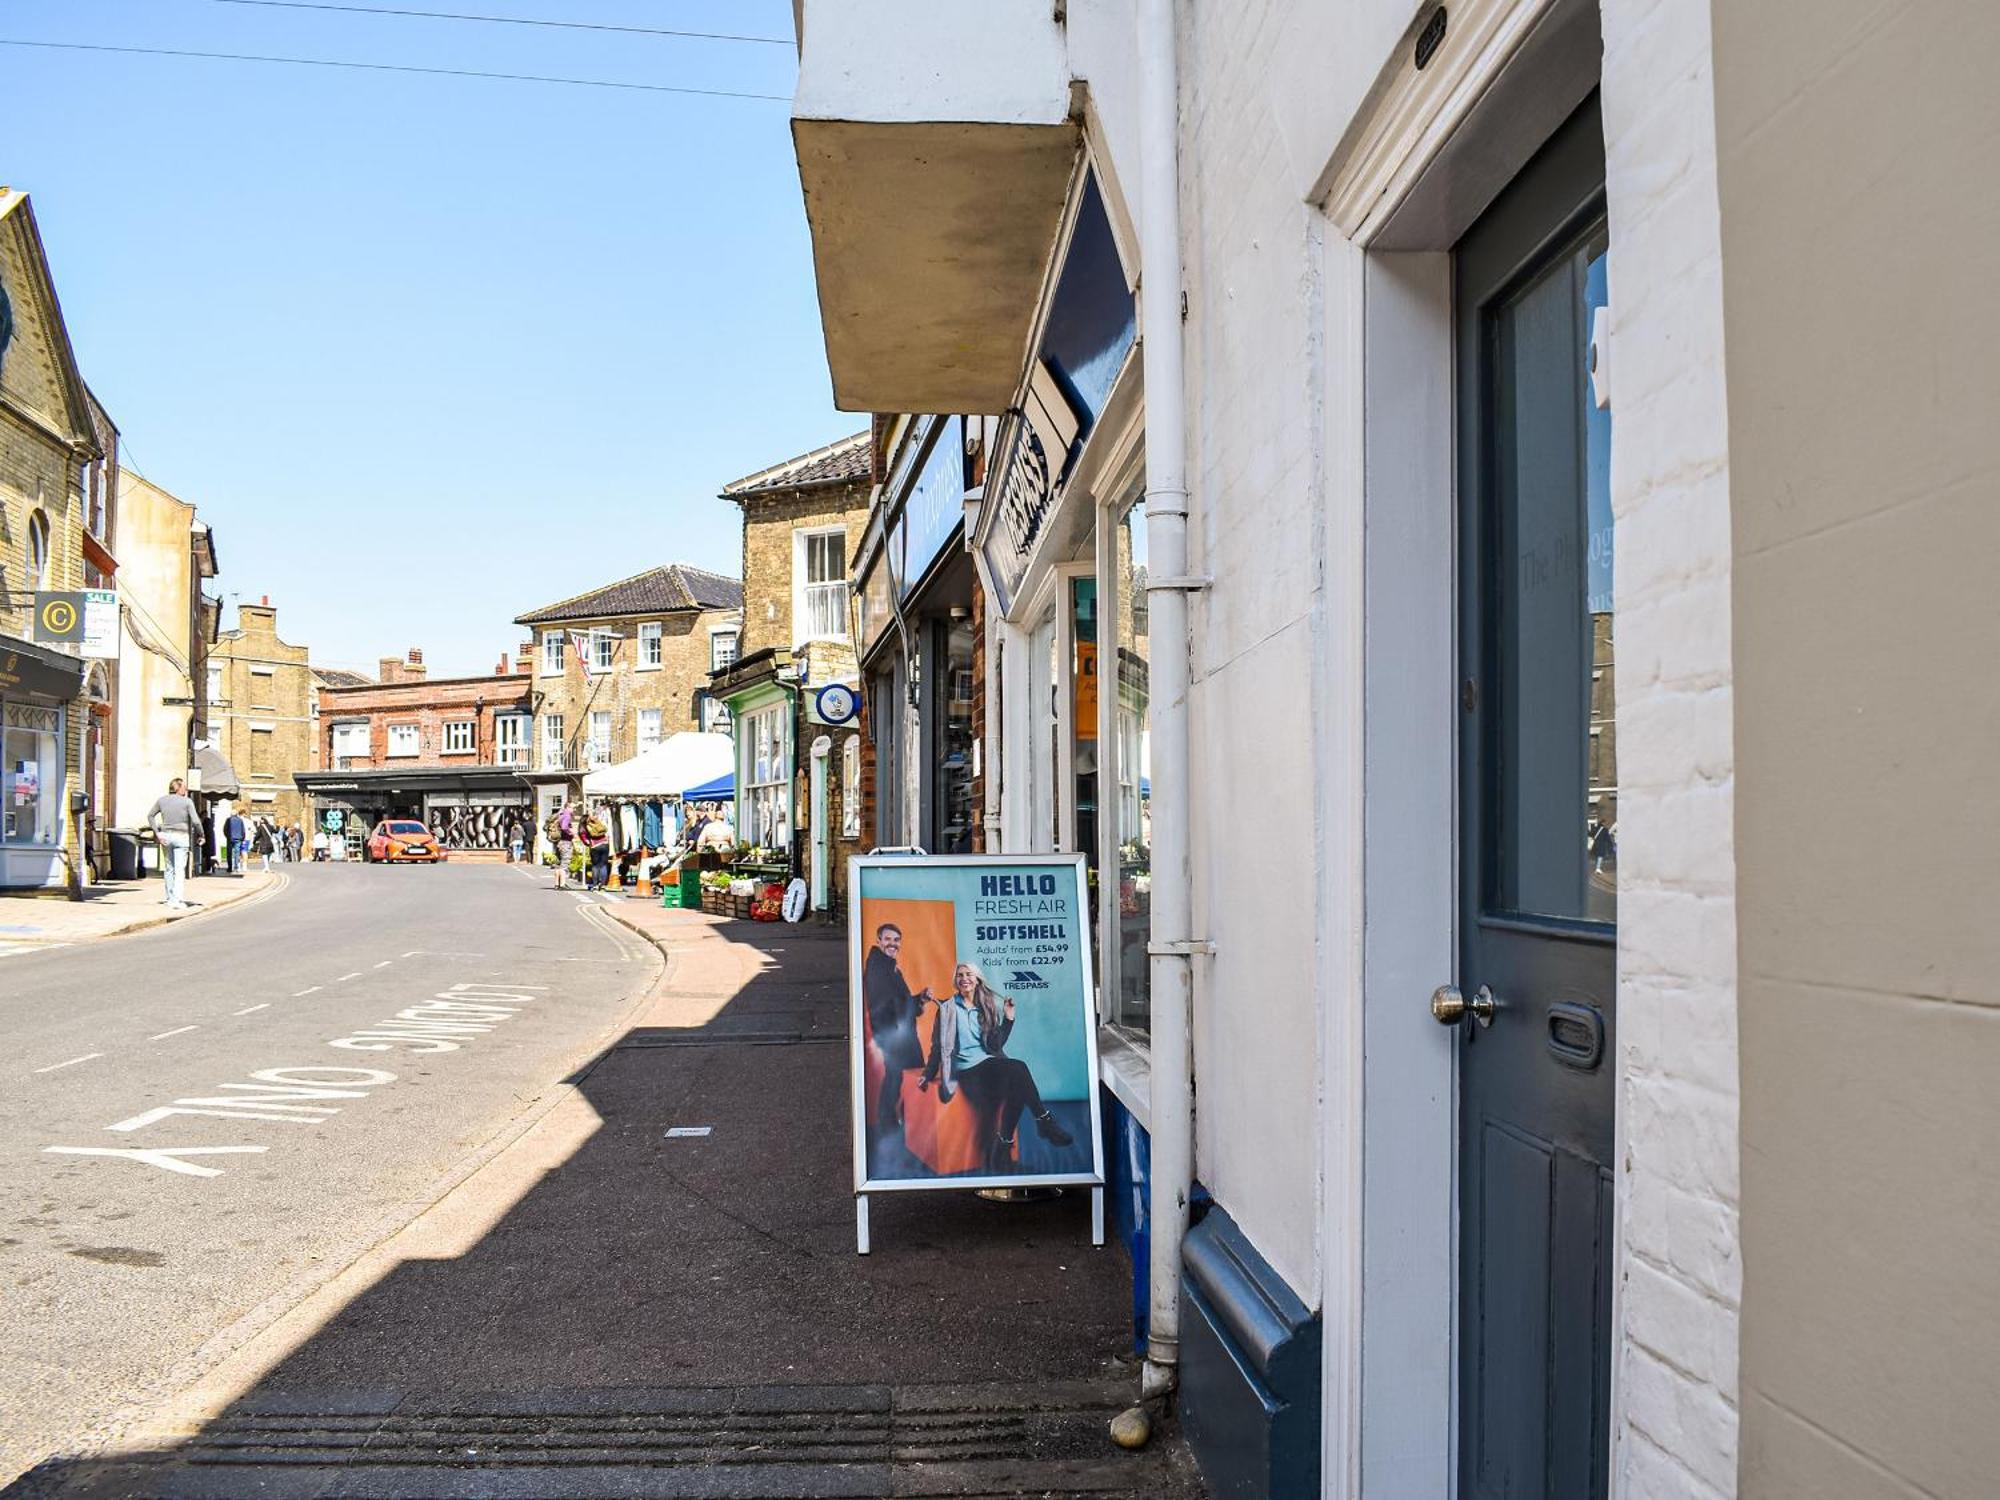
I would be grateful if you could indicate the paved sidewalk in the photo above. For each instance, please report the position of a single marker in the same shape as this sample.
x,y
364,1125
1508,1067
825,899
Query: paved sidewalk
x,y
114,909
603,1310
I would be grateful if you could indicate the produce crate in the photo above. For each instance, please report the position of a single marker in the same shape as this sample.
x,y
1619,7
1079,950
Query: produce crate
x,y
670,893
712,902
739,907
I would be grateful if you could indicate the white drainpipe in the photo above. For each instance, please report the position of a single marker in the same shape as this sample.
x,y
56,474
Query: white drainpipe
x,y
1173,945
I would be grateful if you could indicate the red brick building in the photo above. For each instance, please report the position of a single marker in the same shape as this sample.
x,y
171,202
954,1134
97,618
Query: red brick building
x,y
441,750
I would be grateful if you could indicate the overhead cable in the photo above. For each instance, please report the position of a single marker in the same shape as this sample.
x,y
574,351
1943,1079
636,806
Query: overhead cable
x,y
374,67
452,15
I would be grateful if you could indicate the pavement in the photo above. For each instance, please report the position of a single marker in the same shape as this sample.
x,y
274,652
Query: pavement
x,y
113,909
654,1290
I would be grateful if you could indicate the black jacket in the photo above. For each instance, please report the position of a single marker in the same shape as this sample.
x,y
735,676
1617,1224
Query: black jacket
x,y
892,1010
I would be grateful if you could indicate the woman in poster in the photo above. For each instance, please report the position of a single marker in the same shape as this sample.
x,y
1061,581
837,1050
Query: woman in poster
x,y
968,1050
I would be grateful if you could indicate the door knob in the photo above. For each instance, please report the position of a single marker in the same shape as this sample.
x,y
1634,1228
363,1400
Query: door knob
x,y
1449,1007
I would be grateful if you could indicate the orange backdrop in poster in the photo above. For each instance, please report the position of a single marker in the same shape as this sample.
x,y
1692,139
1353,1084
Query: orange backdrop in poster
x,y
945,1137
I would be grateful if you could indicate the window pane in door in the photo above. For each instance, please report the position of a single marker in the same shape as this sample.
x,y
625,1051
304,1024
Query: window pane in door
x,y
1554,848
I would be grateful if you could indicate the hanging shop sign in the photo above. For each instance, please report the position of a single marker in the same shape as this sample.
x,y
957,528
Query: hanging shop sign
x,y
974,1051
1091,326
46,673
84,618
837,703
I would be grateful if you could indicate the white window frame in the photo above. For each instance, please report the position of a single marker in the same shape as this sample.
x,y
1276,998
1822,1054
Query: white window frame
x,y
552,742
549,660
452,728
39,555
716,635
850,787
401,734
765,803
345,736
655,720
804,592
652,646
597,747
603,647
513,738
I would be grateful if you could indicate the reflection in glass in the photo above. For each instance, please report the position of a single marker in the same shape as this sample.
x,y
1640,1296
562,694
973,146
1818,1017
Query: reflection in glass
x,y
1553,720
954,810
1083,720
1134,768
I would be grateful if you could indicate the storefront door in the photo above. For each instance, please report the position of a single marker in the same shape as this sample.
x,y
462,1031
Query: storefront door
x,y
1538,800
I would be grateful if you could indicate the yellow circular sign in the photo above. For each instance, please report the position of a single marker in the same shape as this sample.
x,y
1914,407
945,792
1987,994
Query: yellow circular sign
x,y
59,617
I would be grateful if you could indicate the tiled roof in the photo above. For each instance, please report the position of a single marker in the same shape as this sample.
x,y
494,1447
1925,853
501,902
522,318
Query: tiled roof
x,y
657,591
837,463
340,677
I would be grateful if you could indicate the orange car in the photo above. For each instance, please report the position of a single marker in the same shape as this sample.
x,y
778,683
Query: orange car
x,y
399,841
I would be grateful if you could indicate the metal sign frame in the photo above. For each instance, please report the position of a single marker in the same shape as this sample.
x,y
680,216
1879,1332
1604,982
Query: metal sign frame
x,y
1073,865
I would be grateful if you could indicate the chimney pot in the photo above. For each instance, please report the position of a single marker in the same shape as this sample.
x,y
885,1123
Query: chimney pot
x,y
501,670
266,601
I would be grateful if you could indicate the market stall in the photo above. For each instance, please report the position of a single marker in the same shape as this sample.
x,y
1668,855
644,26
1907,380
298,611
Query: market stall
x,y
643,797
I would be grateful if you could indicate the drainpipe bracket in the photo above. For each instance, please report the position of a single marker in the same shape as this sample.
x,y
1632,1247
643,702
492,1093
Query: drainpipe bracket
x,y
1193,583
1192,948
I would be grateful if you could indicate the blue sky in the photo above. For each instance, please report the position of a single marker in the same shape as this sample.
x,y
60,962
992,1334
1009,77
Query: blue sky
x,y
428,352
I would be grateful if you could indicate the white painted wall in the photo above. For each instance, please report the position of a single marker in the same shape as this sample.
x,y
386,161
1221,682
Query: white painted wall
x,y
999,61
1680,1274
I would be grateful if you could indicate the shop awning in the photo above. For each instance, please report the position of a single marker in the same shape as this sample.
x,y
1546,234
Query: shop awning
x,y
722,789
666,770
218,777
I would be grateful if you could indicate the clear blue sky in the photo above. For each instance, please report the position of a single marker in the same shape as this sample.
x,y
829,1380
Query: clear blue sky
x,y
428,352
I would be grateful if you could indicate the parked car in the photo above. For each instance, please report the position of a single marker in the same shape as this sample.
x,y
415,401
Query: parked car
x,y
397,841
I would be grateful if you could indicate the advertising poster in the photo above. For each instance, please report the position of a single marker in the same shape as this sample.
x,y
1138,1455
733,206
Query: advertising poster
x,y
973,1023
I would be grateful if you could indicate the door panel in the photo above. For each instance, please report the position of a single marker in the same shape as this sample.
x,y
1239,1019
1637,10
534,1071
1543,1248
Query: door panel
x,y
1538,831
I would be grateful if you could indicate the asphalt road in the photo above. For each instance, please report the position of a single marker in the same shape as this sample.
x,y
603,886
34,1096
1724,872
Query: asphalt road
x,y
166,1165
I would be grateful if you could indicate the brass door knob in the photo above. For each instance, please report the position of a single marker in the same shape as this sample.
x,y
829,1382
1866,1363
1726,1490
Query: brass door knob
x,y
1449,1007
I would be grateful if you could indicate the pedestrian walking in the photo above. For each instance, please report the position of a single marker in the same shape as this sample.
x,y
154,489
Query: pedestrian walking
x,y
175,822
295,843
517,844
562,833
235,838
319,846
262,844
597,841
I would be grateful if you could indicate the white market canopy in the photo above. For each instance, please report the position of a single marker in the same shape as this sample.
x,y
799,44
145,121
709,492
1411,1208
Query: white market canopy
x,y
668,769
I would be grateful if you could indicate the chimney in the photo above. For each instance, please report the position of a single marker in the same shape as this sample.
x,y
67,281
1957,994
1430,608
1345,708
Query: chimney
x,y
265,601
414,670
388,669
524,659
502,669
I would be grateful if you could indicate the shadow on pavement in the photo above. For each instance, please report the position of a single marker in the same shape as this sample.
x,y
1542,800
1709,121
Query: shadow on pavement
x,y
687,1316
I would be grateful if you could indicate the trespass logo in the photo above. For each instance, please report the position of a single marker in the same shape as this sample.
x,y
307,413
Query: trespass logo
x,y
1028,979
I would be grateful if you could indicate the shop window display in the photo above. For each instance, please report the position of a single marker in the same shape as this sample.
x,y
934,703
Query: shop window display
x,y
1126,983
954,810
31,775
765,775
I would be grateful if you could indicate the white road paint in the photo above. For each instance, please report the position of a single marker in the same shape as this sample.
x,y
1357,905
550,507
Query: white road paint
x,y
385,963
443,1023
688,1132
165,1157
163,1035
311,989
412,953
248,1008
71,1063
345,977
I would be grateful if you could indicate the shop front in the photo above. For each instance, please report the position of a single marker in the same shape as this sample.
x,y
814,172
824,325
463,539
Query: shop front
x,y
39,690
918,597
474,811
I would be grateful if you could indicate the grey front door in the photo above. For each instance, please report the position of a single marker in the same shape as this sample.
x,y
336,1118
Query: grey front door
x,y
1539,827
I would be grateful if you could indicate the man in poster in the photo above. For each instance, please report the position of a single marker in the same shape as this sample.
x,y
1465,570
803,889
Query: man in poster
x,y
892,1021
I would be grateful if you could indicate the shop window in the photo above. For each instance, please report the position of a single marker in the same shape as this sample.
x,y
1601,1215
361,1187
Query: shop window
x,y
649,728
600,737
765,774
458,737
510,739
1128,633
820,585
552,742
31,775
850,787
404,739
550,661
952,811
650,646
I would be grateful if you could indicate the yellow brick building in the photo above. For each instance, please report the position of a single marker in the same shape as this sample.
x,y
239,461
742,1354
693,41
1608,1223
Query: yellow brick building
x,y
260,696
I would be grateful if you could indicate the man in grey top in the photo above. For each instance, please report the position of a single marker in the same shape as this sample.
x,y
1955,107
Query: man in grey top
x,y
176,821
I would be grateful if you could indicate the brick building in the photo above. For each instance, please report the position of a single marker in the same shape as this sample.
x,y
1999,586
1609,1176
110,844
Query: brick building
x,y
649,642
445,751
260,712
52,472
802,522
